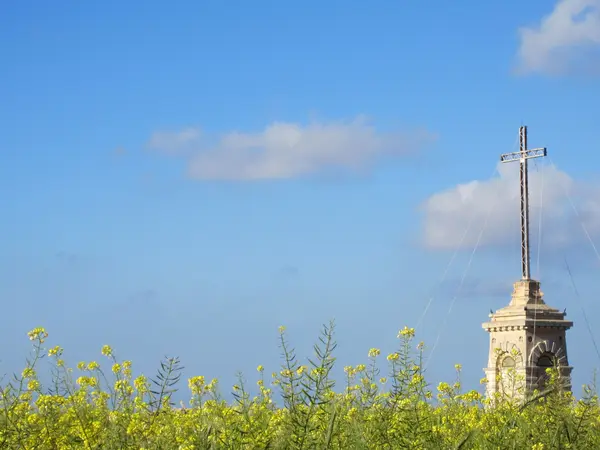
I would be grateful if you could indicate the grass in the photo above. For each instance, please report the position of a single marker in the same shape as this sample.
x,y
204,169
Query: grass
x,y
297,407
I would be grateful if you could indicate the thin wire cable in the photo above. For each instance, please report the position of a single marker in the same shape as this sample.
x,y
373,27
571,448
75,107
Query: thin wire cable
x,y
445,273
446,270
539,246
585,317
458,247
462,280
595,249
539,243
585,230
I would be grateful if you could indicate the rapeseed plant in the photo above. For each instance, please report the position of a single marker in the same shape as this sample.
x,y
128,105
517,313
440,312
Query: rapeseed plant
x,y
110,409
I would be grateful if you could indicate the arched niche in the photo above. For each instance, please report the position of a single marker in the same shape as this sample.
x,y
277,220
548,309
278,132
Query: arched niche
x,y
546,360
547,350
508,350
509,360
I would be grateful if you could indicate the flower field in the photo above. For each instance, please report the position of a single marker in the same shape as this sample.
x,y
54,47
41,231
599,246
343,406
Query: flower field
x,y
101,405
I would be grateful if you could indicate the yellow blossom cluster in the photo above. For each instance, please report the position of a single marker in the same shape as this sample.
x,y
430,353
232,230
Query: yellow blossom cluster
x,y
113,409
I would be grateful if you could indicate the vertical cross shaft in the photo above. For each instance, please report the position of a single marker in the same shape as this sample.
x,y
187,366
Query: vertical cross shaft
x,y
522,156
524,181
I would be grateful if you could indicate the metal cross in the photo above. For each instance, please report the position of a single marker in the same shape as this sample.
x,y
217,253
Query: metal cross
x,y
522,156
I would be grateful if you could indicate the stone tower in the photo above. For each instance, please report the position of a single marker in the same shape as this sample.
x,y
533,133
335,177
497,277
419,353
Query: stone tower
x,y
527,336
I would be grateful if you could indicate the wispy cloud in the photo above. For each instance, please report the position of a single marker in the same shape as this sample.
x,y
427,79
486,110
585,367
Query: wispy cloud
x,y
563,40
68,258
288,150
145,297
175,142
287,272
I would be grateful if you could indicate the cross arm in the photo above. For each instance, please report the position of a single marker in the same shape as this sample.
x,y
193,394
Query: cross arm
x,y
527,154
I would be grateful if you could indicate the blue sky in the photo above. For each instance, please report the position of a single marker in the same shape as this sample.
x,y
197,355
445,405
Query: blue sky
x,y
184,179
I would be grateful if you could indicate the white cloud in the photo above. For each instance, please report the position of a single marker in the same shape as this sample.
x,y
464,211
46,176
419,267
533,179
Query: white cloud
x,y
448,214
287,150
563,39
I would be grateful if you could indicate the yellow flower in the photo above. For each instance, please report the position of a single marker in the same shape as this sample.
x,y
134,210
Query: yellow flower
x,y
406,332
195,383
472,396
37,333
417,378
116,368
443,387
55,351
140,382
81,365
122,385
374,353
33,385
301,370
107,350
360,368
458,367
260,369
212,385
393,357
93,365
281,329
28,372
